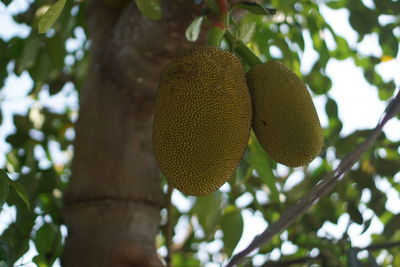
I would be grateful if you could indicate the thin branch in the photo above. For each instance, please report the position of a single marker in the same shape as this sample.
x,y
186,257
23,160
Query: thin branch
x,y
378,246
168,230
321,189
290,262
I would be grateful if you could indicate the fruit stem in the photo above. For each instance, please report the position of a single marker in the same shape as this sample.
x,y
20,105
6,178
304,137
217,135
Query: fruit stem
x,y
240,48
215,36
223,7
218,29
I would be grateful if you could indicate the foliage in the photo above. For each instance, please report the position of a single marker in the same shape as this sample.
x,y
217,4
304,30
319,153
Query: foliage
x,y
42,135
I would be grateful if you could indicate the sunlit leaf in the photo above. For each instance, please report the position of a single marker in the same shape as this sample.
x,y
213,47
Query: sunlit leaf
x,y
49,18
386,58
247,26
40,261
337,4
193,31
343,50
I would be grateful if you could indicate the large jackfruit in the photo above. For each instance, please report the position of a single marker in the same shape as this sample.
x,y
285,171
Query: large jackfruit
x,y
284,117
202,120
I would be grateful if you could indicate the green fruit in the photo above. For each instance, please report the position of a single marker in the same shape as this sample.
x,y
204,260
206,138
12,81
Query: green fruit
x,y
284,117
202,119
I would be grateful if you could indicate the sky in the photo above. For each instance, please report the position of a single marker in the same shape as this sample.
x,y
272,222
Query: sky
x,y
348,85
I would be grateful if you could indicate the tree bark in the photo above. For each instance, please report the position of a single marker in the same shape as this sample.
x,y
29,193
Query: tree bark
x,y
113,201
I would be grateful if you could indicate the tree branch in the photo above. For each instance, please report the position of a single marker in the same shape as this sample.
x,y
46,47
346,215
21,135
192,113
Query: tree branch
x,y
378,246
321,189
307,259
290,262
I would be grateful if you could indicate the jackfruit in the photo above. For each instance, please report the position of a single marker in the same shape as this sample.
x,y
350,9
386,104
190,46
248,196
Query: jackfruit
x,y
285,121
202,119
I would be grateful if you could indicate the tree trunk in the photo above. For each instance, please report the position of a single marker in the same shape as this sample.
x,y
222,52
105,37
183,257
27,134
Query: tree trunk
x,y
114,197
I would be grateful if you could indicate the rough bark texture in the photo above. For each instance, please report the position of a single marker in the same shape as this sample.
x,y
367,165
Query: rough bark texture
x,y
114,197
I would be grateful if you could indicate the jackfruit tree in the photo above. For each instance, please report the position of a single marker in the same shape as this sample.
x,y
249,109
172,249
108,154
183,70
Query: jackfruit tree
x,y
170,133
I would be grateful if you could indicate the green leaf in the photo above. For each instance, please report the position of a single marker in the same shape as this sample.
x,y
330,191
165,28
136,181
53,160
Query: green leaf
x,y
208,211
337,4
363,20
212,5
260,164
51,15
354,213
150,8
331,108
247,26
193,31
318,83
29,54
387,7
392,226
255,8
386,167
343,50
388,42
45,238
232,227
43,69
40,261
20,189
17,240
259,161
4,251
366,225
56,48
184,260
4,187
6,2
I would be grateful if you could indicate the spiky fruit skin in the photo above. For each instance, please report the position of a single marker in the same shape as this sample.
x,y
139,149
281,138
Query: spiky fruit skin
x,y
202,119
285,121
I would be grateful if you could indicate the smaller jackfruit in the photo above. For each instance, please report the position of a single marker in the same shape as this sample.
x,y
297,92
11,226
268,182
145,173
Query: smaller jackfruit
x,y
285,121
202,119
